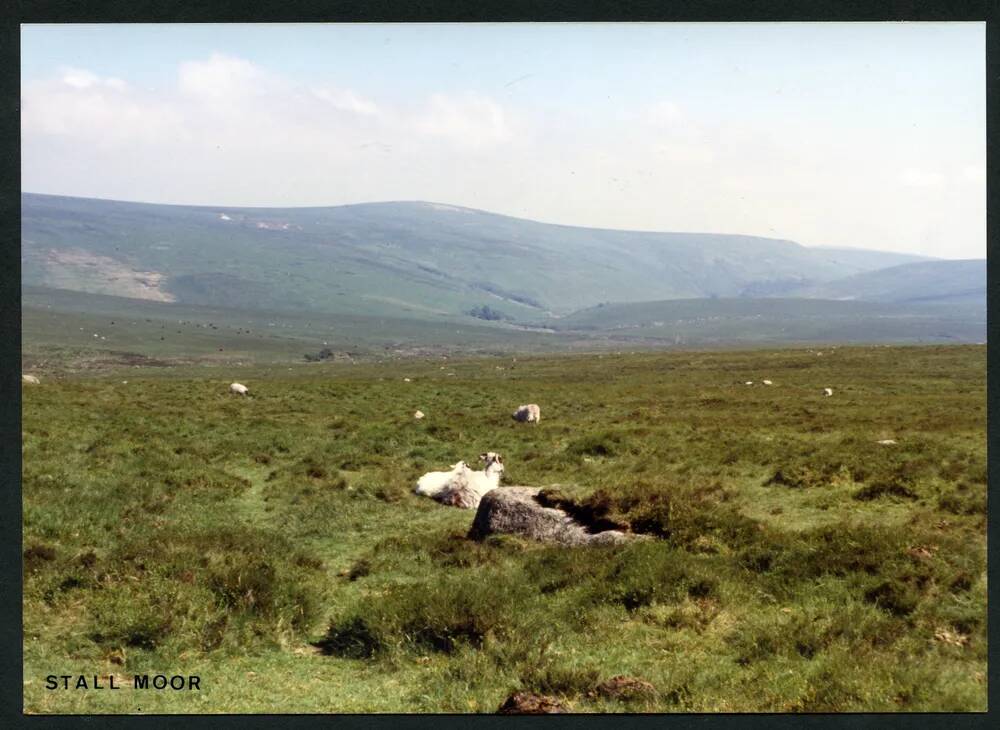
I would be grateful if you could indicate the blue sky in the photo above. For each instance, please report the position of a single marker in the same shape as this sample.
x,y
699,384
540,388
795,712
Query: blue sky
x,y
869,135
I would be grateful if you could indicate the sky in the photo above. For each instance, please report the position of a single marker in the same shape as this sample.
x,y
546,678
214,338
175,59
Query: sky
x,y
867,135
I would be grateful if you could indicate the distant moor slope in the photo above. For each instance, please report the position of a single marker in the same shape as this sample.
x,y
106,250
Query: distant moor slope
x,y
414,259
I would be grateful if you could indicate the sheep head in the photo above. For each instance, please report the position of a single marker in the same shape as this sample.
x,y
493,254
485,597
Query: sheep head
x,y
493,462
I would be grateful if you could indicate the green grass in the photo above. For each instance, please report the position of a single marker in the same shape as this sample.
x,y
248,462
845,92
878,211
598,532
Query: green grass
x,y
776,321
273,546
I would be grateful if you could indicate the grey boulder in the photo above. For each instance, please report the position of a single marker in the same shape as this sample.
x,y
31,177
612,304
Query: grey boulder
x,y
516,511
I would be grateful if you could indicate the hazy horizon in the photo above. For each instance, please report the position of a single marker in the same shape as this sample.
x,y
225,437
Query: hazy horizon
x,y
846,135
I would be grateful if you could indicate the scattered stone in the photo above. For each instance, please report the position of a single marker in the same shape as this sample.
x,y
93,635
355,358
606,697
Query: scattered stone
x,y
529,703
624,687
517,511
418,415
887,442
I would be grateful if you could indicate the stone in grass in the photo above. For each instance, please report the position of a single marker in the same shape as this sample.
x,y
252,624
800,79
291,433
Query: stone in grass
x,y
528,703
623,687
517,511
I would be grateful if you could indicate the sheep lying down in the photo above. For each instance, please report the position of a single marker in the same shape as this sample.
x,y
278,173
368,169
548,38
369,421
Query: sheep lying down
x,y
462,487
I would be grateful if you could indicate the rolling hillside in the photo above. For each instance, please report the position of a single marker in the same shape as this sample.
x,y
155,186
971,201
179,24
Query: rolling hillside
x,y
421,260
923,282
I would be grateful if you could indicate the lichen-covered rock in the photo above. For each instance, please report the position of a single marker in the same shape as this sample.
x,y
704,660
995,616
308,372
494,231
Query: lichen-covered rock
x,y
517,511
528,703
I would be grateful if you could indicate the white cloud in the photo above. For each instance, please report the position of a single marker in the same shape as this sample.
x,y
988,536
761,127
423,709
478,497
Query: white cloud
x,y
94,110
974,173
917,178
82,79
663,113
469,121
672,136
78,78
221,79
346,100
681,152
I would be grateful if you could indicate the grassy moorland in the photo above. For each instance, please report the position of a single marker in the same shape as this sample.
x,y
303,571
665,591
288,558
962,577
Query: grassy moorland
x,y
272,545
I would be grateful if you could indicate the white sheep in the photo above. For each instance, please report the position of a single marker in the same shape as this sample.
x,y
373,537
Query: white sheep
x,y
33,379
749,382
767,382
530,413
462,487
467,487
239,389
827,391
433,482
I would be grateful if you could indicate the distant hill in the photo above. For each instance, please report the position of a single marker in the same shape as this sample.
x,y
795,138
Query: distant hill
x,y
405,259
867,260
719,321
924,282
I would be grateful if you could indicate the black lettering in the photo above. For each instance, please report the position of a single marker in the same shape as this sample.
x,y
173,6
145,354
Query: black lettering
x,y
194,682
174,682
111,682
81,682
159,681
50,682
65,678
141,681
97,682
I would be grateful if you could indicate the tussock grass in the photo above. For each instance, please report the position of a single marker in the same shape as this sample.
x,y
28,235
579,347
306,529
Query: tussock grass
x,y
274,546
